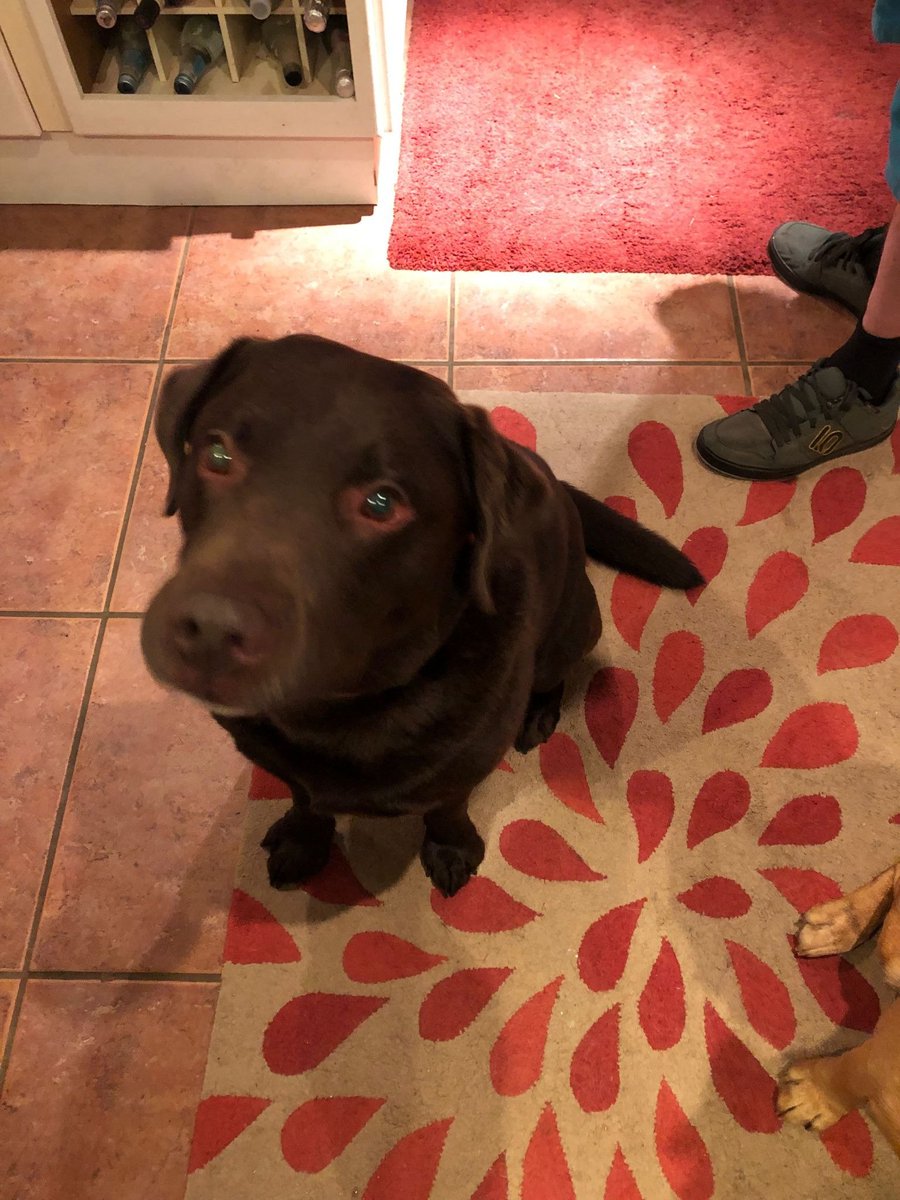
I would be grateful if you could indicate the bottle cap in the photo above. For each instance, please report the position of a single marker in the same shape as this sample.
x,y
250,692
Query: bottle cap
x,y
315,21
106,16
344,85
293,74
261,9
128,83
185,82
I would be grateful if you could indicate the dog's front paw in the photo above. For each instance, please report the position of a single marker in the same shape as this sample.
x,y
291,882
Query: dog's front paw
x,y
540,721
802,1100
827,929
294,855
451,867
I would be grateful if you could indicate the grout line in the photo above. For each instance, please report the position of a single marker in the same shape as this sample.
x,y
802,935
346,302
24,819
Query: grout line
x,y
39,614
599,362
129,976
451,331
739,334
103,362
148,422
51,848
5,974
65,790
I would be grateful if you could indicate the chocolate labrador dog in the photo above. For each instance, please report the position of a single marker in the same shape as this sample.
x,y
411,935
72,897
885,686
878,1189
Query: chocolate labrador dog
x,y
377,594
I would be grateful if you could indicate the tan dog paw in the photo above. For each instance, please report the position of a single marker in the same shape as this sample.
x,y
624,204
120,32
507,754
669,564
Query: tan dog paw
x,y
804,1101
827,929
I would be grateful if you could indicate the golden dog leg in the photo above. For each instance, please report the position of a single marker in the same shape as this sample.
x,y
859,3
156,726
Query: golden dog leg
x,y
839,925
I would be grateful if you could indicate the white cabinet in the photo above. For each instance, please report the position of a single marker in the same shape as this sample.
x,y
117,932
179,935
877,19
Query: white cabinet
x,y
245,136
17,117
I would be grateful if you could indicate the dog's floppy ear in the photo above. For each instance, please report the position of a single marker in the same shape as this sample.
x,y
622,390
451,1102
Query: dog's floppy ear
x,y
504,487
183,394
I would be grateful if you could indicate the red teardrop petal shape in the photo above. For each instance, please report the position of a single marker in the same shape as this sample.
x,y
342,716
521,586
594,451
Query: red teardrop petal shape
x,y
733,404
609,710
652,804
655,456
716,897
857,642
481,907
881,545
515,426
219,1120
722,801
766,999
679,666
337,884
836,502
518,1053
320,1130
563,770
453,1004
620,1183
604,947
375,957
747,1090
849,1145
624,505
661,1006
778,586
804,821
631,603
540,852
545,1172
594,1073
767,499
680,1150
894,820
254,935
409,1169
707,549
308,1028
264,786
843,995
801,886
740,696
504,766
495,1185
817,735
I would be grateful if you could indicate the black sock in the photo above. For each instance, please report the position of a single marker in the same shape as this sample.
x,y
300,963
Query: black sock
x,y
870,362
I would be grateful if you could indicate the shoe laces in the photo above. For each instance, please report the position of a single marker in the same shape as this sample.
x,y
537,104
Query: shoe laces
x,y
848,253
801,403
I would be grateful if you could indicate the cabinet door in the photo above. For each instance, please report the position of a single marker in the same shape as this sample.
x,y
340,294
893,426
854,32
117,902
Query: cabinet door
x,y
17,117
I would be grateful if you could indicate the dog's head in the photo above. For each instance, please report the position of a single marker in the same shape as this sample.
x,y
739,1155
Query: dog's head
x,y
339,513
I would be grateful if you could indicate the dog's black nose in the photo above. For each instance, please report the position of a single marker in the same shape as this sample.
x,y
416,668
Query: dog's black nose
x,y
218,631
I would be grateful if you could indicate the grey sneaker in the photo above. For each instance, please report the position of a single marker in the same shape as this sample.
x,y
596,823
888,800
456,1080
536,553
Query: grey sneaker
x,y
842,268
820,417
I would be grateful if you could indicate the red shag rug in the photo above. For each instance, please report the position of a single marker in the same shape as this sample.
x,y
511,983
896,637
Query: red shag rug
x,y
636,135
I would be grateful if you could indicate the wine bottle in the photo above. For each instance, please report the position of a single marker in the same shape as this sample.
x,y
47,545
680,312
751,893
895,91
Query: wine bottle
x,y
201,46
338,42
279,35
147,11
107,12
260,8
134,56
316,14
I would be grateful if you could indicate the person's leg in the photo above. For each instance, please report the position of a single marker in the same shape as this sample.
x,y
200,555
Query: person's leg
x,y
882,316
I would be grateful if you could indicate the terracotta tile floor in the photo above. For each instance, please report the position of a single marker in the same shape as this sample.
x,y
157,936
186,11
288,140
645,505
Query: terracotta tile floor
x,y
121,809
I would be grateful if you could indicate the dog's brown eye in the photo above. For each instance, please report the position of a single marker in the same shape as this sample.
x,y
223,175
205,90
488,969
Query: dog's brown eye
x,y
216,456
380,505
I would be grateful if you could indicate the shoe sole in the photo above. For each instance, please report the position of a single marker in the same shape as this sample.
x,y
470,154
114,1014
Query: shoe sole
x,y
789,276
731,471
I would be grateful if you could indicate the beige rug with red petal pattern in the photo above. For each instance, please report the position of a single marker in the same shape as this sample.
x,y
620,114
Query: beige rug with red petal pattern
x,y
600,1015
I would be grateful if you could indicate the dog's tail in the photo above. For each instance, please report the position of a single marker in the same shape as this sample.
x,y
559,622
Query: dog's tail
x,y
619,542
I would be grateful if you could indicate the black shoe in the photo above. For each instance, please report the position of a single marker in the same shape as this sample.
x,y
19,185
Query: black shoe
x,y
842,268
820,417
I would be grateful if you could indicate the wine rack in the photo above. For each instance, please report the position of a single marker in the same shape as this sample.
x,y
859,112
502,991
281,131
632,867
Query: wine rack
x,y
244,94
